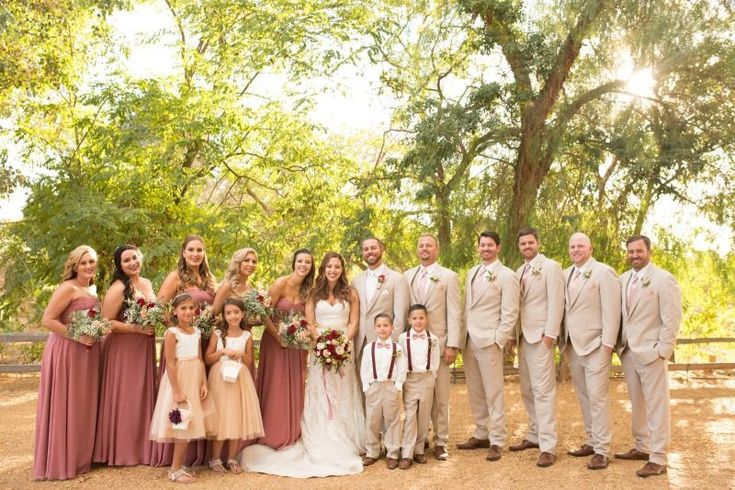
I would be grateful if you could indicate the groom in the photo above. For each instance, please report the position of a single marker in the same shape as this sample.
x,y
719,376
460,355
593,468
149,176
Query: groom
x,y
437,288
381,291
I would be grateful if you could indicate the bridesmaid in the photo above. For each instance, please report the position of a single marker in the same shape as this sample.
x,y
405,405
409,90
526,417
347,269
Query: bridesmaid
x,y
128,377
69,390
282,370
237,283
192,275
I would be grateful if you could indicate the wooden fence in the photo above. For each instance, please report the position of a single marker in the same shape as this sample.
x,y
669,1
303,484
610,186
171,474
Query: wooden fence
x,y
457,373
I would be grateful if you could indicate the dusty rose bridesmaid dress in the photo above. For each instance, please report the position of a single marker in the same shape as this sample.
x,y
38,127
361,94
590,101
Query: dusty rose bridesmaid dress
x,y
66,413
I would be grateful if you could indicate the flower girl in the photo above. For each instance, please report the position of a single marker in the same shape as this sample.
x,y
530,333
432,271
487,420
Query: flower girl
x,y
183,410
232,387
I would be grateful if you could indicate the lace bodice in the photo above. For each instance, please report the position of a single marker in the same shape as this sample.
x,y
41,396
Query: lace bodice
x,y
336,316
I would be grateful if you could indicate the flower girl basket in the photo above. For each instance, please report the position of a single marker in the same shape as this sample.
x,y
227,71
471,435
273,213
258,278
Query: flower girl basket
x,y
186,414
230,370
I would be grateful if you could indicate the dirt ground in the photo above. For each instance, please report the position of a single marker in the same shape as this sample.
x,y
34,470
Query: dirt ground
x,y
703,447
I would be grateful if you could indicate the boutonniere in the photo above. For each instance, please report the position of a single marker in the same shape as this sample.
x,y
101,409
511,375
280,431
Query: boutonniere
x,y
433,278
397,354
645,281
432,342
536,270
587,274
490,276
381,280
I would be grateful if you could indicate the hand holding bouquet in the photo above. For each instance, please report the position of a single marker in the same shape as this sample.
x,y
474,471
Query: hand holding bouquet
x,y
88,323
332,350
147,314
257,305
294,330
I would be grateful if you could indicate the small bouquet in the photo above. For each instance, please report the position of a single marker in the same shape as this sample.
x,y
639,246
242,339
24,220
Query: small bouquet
x,y
204,321
332,350
180,416
88,322
146,313
294,329
257,305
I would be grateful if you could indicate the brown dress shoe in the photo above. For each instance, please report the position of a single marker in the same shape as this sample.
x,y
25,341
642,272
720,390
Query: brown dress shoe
x,y
367,460
585,450
392,463
632,454
440,453
405,463
598,462
473,443
545,459
523,445
420,458
651,469
493,453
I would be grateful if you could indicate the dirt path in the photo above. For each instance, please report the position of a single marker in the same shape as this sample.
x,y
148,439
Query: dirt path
x,y
703,448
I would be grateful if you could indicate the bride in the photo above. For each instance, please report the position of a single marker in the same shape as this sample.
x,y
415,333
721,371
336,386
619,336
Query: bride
x,y
333,424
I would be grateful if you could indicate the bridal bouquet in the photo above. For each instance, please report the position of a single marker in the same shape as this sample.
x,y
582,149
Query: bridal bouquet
x,y
332,350
147,313
294,329
204,321
257,305
88,322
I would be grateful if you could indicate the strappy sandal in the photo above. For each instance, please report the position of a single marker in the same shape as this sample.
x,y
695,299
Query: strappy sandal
x,y
234,466
217,466
181,476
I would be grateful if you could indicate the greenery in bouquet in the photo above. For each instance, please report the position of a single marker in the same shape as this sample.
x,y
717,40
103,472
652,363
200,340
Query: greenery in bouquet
x,y
294,329
147,313
257,305
88,322
332,350
205,320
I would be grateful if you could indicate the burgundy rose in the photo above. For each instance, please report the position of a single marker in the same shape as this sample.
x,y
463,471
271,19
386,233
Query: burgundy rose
x,y
175,416
91,313
141,301
381,278
291,329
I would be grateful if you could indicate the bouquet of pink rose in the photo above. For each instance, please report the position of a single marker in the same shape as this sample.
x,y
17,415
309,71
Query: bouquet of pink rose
x,y
257,305
204,320
332,350
88,322
294,329
147,313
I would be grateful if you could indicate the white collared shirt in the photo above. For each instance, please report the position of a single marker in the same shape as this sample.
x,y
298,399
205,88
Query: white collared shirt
x,y
419,349
383,358
371,282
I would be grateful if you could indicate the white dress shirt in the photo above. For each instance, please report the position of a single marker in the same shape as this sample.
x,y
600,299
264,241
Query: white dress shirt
x,y
383,358
419,350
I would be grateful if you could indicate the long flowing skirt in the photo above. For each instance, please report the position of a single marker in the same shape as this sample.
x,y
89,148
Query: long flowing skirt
x,y
280,386
332,431
238,411
127,398
66,413
204,415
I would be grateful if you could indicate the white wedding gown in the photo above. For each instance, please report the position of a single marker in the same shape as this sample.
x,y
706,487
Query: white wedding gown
x,y
332,425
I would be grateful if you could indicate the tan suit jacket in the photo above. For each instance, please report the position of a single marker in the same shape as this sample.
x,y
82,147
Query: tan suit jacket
x,y
592,314
542,300
391,297
491,317
651,322
442,304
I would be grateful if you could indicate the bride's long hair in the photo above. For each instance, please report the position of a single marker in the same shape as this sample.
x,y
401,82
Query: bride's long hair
x,y
321,287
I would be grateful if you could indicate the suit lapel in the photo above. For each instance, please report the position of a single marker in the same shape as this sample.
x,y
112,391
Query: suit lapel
x,y
414,294
639,293
578,292
379,290
475,277
431,287
530,280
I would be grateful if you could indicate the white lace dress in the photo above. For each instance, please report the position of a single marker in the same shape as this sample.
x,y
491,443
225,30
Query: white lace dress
x,y
332,425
